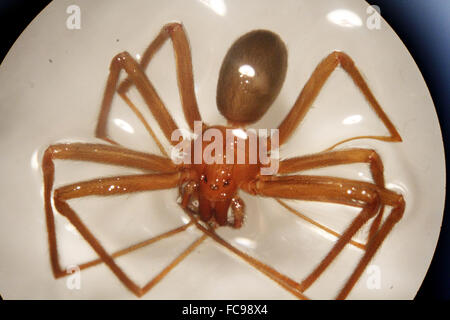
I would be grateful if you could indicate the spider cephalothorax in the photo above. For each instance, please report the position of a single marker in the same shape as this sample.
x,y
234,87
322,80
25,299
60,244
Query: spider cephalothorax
x,y
220,173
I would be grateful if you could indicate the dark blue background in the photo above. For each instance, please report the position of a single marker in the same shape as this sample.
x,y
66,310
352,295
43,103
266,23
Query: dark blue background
x,y
424,27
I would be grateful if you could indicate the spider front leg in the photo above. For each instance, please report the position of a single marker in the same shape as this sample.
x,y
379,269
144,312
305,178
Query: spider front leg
x,y
183,60
313,87
125,61
367,196
137,76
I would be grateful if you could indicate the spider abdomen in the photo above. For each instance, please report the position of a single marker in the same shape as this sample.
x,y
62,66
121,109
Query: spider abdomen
x,y
251,76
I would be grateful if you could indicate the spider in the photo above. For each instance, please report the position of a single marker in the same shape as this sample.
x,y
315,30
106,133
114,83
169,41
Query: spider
x,y
242,98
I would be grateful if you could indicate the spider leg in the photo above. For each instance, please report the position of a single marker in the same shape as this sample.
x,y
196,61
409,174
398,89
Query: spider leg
x,y
173,264
136,246
125,61
115,186
338,157
333,158
320,226
101,153
238,210
183,60
141,117
108,95
374,244
114,155
313,87
367,196
283,280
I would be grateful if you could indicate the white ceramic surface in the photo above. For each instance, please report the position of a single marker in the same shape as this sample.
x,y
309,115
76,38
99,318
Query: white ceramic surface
x,y
51,84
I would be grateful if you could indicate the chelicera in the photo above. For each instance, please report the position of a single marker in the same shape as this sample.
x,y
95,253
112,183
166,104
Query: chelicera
x,y
243,96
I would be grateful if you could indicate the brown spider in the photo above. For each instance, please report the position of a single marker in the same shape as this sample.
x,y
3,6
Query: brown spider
x,y
243,98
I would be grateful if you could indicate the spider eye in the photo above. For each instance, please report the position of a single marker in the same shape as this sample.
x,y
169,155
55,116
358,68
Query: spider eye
x,y
226,182
204,178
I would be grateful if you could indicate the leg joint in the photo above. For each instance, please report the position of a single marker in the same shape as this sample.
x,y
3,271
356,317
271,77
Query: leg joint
x,y
343,58
373,156
121,57
172,27
399,209
373,204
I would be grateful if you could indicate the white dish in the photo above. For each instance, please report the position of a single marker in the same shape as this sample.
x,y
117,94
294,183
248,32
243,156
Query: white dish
x,y
52,82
